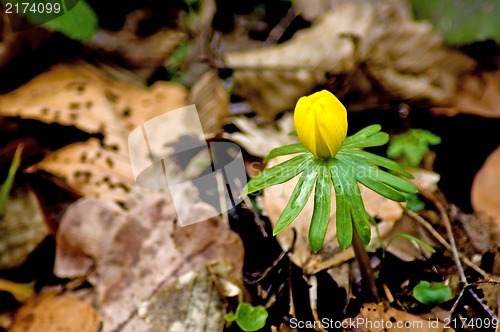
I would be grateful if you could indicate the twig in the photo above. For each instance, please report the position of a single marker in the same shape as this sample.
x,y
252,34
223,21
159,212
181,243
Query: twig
x,y
447,224
277,32
256,218
267,270
443,242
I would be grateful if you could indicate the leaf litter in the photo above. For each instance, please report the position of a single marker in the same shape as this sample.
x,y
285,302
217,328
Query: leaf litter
x,y
145,271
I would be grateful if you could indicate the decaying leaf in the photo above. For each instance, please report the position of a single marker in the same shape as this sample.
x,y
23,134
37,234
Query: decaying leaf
x,y
190,303
375,318
406,58
22,228
477,94
21,292
81,96
212,101
485,195
131,258
54,313
142,54
260,140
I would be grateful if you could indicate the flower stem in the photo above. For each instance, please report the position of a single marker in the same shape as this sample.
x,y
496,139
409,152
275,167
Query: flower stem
x,y
364,263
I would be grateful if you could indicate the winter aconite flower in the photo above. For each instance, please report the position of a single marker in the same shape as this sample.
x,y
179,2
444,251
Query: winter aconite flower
x,y
327,159
321,123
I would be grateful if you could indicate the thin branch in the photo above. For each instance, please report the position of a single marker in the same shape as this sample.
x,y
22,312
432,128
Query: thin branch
x,y
277,32
447,224
424,223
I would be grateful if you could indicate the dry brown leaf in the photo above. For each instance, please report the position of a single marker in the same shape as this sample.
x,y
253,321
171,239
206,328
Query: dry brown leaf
x,y
275,200
260,140
485,193
406,58
130,257
212,101
477,94
22,228
81,96
190,303
21,292
375,318
54,313
142,54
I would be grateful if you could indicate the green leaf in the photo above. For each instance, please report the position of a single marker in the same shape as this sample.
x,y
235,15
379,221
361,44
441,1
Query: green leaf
x,y
279,173
359,214
298,199
432,293
412,238
343,213
377,139
365,170
321,215
248,317
284,150
461,22
80,23
363,133
413,202
376,160
9,181
366,137
409,148
382,189
293,133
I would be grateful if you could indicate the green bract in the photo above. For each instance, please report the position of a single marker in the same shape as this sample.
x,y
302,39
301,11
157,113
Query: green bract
x,y
348,167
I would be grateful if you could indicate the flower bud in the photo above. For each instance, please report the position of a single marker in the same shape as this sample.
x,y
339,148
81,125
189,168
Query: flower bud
x,y
321,123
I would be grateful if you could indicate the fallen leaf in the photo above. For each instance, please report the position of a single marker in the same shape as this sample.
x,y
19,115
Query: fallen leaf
x,y
142,54
130,257
82,96
260,140
485,196
312,9
21,292
375,318
405,58
22,228
189,303
477,94
212,101
54,313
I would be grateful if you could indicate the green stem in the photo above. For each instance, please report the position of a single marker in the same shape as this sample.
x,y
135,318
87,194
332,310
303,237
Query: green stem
x,y
364,263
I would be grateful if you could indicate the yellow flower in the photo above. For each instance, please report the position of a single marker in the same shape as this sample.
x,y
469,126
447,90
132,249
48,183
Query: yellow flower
x,y
321,123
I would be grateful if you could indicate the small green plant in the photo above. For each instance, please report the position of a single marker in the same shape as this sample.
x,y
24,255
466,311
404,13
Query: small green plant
x,y
432,293
409,148
326,157
9,181
248,317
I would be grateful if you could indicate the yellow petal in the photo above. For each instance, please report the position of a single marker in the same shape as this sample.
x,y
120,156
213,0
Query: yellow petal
x,y
321,123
